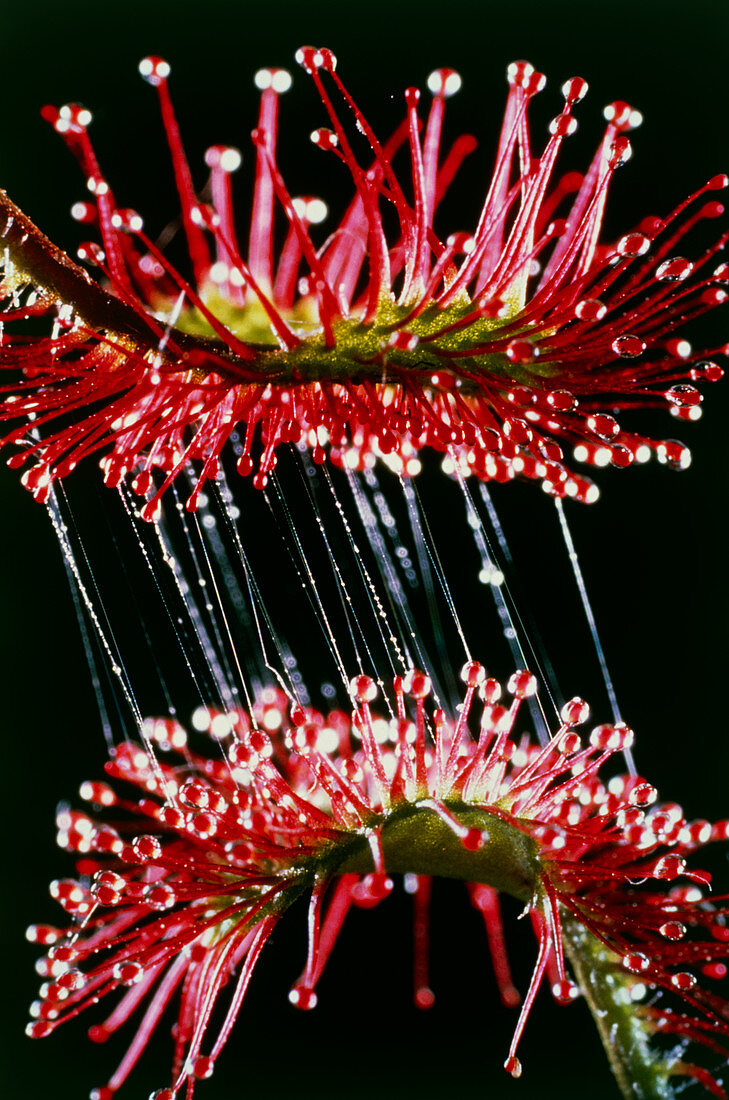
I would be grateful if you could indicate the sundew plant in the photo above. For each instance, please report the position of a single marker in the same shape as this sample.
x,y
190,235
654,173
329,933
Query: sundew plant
x,y
270,400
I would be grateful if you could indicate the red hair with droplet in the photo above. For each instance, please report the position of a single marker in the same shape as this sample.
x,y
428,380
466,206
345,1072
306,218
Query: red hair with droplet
x,y
190,873
499,347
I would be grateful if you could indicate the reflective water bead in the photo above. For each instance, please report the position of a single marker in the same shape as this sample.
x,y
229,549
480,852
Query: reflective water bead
x,y
622,115
636,962
622,738
363,689
312,59
444,82
109,879
38,1029
517,431
521,395
673,930
62,953
371,890
683,980
601,737
604,425
473,840
621,151
673,453
565,991
297,715
568,744
522,684
621,456
590,310
204,1067
706,371
633,244
241,755
277,79
84,212
629,817
490,690
128,973
418,684
424,997
194,794
100,793
225,157
172,817
259,740
302,997
43,934
154,69
561,400
675,270
669,867
520,351
496,718
575,712
628,347
91,253
512,1065
684,395
563,125
203,825
574,89
71,981
643,795
473,674
146,847
698,832
106,895
160,896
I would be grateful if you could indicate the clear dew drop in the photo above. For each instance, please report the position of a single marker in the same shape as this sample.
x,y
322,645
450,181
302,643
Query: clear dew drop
x,y
684,396
673,930
512,1065
128,973
674,271
633,244
575,712
565,991
673,453
303,998
706,371
636,962
590,310
522,684
683,981
628,347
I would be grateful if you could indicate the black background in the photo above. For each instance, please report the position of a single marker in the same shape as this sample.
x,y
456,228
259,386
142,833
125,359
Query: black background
x,y
653,548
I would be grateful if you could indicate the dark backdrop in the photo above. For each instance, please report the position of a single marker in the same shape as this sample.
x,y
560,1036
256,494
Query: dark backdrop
x,y
653,548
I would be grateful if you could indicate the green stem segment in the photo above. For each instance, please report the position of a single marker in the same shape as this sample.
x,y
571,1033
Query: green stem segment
x,y
416,840
640,1070
362,352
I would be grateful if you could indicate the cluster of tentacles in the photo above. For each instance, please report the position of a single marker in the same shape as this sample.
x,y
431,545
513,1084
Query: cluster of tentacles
x,y
499,347
184,879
